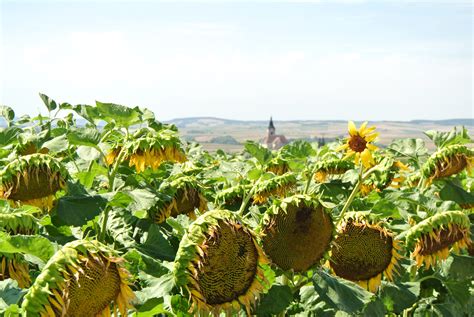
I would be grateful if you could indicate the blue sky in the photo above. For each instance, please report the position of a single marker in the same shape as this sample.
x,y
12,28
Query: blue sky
x,y
360,60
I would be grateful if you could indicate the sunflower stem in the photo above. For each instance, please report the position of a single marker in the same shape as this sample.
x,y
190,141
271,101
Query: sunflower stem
x,y
104,225
310,178
362,178
246,200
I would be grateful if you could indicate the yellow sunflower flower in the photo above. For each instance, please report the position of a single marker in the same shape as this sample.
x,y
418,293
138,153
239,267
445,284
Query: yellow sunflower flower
x,y
359,144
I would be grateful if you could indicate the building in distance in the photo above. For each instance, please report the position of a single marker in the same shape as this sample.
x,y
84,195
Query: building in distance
x,y
273,141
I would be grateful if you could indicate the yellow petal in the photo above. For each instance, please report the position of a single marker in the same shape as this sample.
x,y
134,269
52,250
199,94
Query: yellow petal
x,y
352,128
342,147
372,137
371,147
362,130
367,159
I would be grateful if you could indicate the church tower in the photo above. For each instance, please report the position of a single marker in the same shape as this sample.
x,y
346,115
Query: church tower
x,y
271,128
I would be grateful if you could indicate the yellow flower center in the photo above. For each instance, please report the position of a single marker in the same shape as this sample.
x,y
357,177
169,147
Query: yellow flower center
x,y
357,143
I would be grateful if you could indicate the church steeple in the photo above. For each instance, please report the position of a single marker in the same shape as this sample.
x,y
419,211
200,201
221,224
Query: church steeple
x,y
271,127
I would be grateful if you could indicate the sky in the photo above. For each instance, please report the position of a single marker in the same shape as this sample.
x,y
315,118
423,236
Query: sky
x,y
247,60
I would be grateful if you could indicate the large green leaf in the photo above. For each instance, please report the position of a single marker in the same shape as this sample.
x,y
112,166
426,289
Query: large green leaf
x,y
275,301
157,244
84,136
35,245
77,210
123,116
10,294
339,293
262,154
410,148
56,145
9,135
454,192
398,297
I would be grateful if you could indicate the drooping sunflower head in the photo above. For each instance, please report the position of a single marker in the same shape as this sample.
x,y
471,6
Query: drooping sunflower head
x,y
296,233
33,180
181,195
278,186
149,148
84,278
363,251
278,166
431,239
18,221
14,266
359,144
219,264
447,161
387,174
331,167
231,198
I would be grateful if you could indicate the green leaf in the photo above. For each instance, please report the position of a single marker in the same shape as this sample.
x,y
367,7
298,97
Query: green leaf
x,y
454,136
89,113
88,153
410,148
454,192
262,154
7,113
9,135
77,210
119,114
57,145
84,136
398,297
10,295
35,245
137,261
158,245
339,293
254,174
48,102
275,301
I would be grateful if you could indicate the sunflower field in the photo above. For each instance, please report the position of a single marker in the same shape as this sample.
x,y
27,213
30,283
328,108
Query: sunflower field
x,y
105,211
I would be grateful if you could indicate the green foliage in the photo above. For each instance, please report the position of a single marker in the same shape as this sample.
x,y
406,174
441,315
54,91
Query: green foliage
x,y
113,203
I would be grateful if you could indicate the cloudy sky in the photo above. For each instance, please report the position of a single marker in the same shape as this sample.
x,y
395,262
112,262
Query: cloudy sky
x,y
361,60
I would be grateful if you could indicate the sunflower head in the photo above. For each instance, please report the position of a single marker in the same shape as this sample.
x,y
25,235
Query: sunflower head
x,y
387,175
84,278
181,195
296,233
18,221
359,144
331,167
363,251
278,186
432,238
149,148
219,264
14,266
231,198
278,166
33,180
447,161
